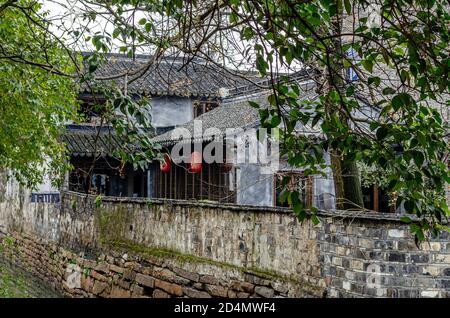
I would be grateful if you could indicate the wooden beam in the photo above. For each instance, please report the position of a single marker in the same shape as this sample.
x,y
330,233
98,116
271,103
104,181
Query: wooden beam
x,y
375,199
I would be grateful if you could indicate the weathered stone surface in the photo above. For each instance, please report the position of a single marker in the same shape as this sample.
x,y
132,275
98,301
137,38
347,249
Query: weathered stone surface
x,y
169,287
124,284
87,263
231,294
145,280
353,255
99,287
215,290
87,283
163,273
117,292
264,291
116,269
99,276
157,293
186,274
243,286
193,293
257,280
129,274
209,279
136,290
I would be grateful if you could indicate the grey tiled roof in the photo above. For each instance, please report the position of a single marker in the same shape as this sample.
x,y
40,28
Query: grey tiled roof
x,y
232,114
170,76
87,141
229,115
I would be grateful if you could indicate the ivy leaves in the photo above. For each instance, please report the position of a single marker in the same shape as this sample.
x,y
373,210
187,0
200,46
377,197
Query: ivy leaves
x,y
401,64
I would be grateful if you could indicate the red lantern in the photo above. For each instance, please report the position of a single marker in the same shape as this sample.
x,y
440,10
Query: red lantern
x,y
227,164
165,165
226,167
195,165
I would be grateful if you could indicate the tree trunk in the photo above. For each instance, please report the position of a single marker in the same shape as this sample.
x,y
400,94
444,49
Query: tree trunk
x,y
345,172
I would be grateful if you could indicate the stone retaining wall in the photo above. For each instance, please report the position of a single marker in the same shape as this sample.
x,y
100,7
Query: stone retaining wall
x,y
139,248
128,274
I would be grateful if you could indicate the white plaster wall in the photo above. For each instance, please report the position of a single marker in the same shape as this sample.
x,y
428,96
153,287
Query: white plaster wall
x,y
171,111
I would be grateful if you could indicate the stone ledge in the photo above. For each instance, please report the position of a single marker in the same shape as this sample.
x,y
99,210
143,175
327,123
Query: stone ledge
x,y
363,215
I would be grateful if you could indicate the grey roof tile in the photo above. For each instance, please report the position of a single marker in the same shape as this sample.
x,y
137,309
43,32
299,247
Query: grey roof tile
x,y
170,76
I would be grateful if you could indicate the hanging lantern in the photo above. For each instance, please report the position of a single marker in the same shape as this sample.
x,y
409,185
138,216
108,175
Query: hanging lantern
x,y
165,165
227,164
195,165
226,167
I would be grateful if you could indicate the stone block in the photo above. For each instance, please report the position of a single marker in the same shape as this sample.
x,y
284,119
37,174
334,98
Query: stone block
x,y
186,274
216,290
396,257
231,294
442,258
419,258
264,291
431,270
208,279
137,290
96,275
124,284
157,293
87,283
170,288
280,287
145,280
129,274
116,269
117,292
100,287
89,263
431,246
396,233
193,293
242,286
429,293
102,267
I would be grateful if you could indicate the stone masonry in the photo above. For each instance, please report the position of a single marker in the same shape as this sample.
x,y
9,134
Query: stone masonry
x,y
123,247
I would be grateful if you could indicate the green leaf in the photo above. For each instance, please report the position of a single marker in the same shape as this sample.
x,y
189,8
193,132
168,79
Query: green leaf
x,y
275,121
350,91
405,219
388,91
418,158
315,219
348,6
368,65
253,104
401,100
261,65
316,120
374,80
382,132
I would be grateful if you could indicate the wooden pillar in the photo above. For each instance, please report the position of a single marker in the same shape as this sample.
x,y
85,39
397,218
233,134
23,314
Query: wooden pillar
x,y
185,184
209,181
193,185
375,199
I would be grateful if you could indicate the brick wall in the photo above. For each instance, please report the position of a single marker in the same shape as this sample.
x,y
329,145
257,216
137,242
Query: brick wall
x,y
377,257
